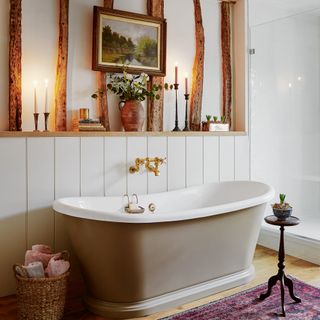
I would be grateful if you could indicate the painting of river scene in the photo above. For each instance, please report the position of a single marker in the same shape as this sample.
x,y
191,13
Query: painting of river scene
x,y
126,41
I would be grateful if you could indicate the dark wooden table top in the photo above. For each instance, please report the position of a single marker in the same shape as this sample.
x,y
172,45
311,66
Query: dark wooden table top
x,y
291,221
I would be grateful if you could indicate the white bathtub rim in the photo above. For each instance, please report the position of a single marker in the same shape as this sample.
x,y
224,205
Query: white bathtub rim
x,y
62,207
168,300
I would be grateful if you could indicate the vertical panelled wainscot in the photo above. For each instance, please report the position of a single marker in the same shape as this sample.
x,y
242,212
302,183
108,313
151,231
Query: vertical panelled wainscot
x,y
36,170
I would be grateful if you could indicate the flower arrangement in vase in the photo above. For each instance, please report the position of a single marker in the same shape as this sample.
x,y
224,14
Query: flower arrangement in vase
x,y
132,89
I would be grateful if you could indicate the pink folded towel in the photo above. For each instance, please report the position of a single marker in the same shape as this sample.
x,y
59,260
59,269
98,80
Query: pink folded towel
x,y
41,257
34,256
41,248
57,267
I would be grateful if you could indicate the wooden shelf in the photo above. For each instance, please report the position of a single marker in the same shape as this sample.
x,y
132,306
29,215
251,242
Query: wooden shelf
x,y
21,134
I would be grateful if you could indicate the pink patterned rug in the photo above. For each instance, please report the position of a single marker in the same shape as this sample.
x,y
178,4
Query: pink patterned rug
x,y
246,305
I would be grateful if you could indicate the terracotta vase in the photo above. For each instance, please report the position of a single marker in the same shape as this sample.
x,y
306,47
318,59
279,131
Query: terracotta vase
x,y
132,115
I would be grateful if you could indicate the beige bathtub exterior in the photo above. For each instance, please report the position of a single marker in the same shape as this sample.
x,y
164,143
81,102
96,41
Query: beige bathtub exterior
x,y
141,268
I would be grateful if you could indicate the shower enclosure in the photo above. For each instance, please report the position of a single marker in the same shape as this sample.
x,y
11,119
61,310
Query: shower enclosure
x,y
285,114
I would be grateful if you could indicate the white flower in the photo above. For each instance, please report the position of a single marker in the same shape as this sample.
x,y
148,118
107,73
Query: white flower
x,y
144,76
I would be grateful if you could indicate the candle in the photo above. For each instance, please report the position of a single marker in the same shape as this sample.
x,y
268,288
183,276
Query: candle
x,y
35,83
46,109
176,73
186,83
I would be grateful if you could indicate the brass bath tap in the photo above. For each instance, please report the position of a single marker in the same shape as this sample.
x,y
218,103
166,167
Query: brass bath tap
x,y
151,165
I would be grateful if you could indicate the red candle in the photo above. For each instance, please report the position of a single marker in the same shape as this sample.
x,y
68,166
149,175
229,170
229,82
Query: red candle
x,y
176,73
186,83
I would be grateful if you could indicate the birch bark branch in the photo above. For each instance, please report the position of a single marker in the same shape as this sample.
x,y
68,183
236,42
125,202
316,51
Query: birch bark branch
x,y
62,64
15,54
155,8
102,85
197,71
226,60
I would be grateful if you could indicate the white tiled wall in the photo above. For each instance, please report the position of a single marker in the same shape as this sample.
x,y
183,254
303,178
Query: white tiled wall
x,y
35,171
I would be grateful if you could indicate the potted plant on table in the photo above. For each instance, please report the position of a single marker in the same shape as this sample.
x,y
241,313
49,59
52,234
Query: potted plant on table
x,y
132,89
282,210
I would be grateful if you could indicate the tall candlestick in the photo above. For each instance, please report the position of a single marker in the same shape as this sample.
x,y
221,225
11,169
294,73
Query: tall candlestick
x,y
176,128
186,123
176,73
186,83
46,109
35,83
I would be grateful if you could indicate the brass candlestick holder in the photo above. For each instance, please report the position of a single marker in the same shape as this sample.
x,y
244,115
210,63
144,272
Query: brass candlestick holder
x,y
186,123
176,128
36,118
46,117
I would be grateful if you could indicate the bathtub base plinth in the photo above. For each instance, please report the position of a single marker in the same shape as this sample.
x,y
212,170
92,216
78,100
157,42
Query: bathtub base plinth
x,y
168,300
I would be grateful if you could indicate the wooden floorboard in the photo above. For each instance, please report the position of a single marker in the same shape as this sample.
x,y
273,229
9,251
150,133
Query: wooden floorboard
x,y
265,262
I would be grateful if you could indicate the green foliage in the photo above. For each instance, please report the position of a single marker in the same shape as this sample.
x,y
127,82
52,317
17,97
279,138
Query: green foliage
x,y
130,87
282,197
223,119
215,118
208,117
146,47
168,86
115,43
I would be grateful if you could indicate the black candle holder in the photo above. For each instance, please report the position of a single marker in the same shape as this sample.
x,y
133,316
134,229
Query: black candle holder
x,y
186,122
46,117
176,128
36,118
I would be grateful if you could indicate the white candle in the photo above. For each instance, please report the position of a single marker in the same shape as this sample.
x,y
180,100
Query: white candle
x,y
176,73
35,83
46,109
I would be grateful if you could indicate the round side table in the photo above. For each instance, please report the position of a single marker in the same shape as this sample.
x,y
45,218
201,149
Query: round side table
x,y
284,280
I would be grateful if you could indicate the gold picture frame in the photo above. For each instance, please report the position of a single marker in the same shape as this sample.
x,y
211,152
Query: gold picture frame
x,y
124,38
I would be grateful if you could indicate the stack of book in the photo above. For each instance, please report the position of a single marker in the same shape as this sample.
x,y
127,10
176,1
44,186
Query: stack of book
x,y
90,125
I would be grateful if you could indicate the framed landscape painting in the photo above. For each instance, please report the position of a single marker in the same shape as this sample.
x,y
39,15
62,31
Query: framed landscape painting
x,y
135,41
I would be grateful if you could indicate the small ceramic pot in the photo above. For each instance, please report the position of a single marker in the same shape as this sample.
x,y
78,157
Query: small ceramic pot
x,y
282,214
205,126
132,115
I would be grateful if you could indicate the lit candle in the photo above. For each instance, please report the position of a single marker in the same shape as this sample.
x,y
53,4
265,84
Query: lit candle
x,y
46,109
35,83
176,73
186,83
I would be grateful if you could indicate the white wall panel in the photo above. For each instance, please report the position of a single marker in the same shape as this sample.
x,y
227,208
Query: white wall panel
x,y
176,162
194,161
13,209
67,182
137,182
211,159
157,147
115,166
67,167
92,166
242,165
226,158
40,160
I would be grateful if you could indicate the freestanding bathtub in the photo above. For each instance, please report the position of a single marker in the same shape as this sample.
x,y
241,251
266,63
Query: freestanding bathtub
x,y
199,241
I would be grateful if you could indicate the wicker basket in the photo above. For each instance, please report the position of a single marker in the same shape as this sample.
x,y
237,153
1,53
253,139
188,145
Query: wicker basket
x,y
41,298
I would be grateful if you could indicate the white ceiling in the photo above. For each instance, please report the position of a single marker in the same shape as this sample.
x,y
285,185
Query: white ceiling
x,y
262,11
